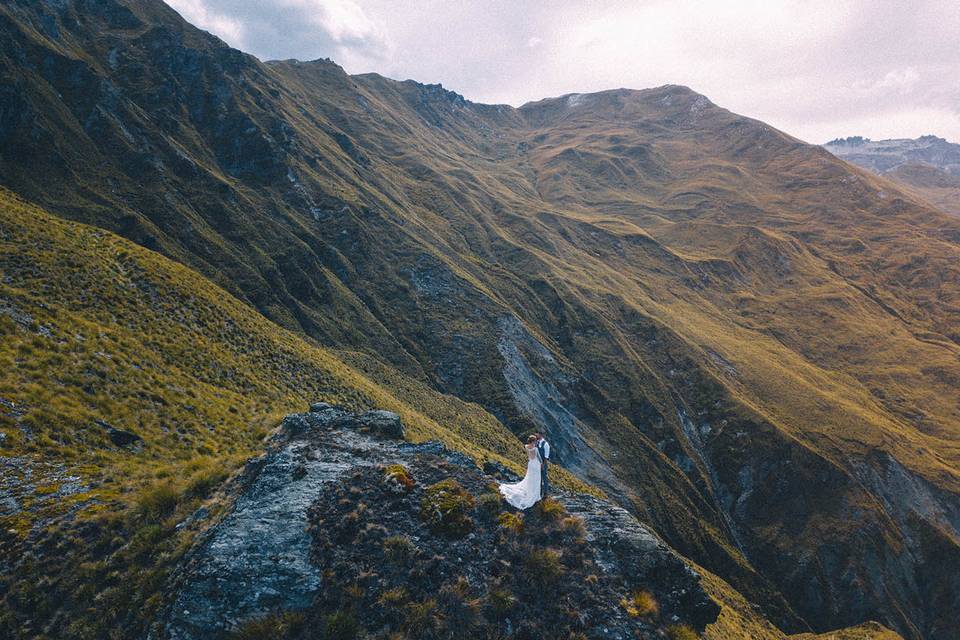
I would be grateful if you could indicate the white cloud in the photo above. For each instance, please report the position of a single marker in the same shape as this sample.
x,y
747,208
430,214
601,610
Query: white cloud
x,y
815,68
304,29
197,13
344,21
901,81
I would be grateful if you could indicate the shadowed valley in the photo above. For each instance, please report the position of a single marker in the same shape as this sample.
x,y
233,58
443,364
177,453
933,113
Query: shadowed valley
x,y
747,343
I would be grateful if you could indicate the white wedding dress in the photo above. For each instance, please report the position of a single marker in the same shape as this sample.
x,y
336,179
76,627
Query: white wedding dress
x,y
526,493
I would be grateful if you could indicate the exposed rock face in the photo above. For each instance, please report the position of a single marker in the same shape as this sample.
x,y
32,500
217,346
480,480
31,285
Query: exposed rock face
x,y
294,534
928,166
538,394
625,547
881,156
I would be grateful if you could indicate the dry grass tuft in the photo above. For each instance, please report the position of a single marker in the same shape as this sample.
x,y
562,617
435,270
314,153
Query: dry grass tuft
x,y
641,604
511,522
682,632
446,508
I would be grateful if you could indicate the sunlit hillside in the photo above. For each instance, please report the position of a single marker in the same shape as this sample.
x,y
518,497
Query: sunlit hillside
x,y
748,343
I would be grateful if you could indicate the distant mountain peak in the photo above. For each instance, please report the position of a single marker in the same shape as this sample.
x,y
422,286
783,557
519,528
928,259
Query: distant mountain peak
x,y
929,166
924,140
882,156
849,141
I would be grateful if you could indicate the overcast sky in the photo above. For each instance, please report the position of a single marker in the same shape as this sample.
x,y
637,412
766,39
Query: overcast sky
x,y
817,69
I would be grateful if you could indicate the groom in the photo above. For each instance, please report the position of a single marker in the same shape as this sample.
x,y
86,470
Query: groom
x,y
543,449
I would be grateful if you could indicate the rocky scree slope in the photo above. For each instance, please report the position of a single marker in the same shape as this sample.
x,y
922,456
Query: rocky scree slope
x,y
357,531
738,337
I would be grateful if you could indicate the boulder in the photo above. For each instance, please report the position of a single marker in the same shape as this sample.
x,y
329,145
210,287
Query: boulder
x,y
383,423
499,471
121,437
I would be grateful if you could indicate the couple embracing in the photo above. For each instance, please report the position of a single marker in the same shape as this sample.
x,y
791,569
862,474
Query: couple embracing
x,y
535,485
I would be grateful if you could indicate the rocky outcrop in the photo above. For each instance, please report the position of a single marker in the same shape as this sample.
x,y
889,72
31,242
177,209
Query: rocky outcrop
x,y
623,546
121,437
330,522
256,560
882,156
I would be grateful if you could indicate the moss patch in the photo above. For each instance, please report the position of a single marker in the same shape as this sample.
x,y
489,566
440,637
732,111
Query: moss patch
x,y
446,507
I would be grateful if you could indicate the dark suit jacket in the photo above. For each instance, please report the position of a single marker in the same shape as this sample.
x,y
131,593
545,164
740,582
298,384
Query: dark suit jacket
x,y
544,481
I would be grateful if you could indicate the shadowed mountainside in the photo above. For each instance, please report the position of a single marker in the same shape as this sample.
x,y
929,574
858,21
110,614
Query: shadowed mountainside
x,y
130,388
99,534
744,341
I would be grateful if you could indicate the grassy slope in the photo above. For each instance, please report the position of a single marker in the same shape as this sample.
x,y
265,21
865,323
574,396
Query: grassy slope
x,y
740,620
96,328
824,297
866,631
670,254
816,344
929,183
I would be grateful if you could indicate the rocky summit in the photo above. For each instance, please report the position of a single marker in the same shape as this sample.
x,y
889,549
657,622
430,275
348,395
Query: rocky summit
x,y
334,526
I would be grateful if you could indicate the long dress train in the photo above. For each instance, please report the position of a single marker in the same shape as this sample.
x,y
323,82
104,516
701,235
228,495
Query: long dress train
x,y
526,493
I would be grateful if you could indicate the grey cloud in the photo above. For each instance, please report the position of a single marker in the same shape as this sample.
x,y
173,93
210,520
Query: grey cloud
x,y
817,69
279,29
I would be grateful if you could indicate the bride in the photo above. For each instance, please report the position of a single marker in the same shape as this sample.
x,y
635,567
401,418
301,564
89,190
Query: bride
x,y
526,493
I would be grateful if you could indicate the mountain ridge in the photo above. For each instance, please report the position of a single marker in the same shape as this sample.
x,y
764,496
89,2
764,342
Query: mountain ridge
x,y
128,522
928,166
714,316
